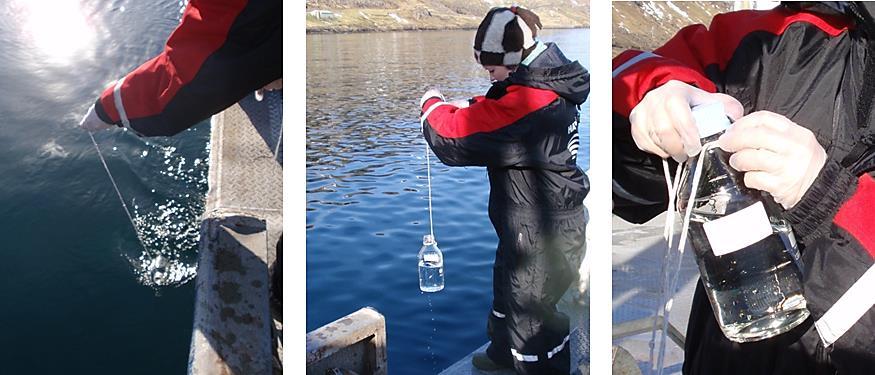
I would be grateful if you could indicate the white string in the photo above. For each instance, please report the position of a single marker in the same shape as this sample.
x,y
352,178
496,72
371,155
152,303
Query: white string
x,y
668,236
672,272
117,191
279,141
428,173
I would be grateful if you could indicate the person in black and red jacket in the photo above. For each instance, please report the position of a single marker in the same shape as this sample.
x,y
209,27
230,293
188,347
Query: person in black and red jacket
x,y
524,131
220,52
799,80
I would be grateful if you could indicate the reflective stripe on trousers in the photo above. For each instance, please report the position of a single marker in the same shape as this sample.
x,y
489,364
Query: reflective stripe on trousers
x,y
533,358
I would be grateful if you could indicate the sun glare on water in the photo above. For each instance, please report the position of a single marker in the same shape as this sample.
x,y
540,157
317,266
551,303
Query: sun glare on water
x,y
57,28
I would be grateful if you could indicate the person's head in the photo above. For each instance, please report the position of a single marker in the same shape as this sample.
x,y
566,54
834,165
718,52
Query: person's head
x,y
505,38
499,72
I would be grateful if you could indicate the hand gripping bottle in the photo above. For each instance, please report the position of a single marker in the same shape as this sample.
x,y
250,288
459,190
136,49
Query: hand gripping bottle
x,y
746,252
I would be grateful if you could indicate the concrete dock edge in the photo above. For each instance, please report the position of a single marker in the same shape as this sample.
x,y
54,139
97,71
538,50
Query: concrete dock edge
x,y
236,328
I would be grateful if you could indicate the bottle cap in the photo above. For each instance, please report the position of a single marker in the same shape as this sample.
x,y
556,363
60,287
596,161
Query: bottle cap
x,y
710,119
428,239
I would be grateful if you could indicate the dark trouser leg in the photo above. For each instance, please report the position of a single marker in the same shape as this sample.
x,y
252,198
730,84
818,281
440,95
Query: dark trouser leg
x,y
496,323
540,261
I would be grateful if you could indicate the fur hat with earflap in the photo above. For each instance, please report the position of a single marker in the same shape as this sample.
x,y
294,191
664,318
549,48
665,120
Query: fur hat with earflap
x,y
506,36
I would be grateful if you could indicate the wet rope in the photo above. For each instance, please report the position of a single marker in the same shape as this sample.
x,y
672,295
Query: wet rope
x,y
668,236
671,272
117,191
279,141
428,173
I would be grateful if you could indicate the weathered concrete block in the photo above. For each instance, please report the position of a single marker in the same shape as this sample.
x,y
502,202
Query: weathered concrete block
x,y
232,319
356,342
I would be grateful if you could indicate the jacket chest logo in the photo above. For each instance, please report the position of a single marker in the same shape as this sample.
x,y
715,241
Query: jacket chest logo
x,y
574,142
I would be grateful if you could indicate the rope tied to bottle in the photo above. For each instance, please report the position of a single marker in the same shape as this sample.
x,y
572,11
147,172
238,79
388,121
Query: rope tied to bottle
x,y
428,177
671,271
117,191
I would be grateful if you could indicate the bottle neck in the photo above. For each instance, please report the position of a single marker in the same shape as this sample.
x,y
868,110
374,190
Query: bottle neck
x,y
712,138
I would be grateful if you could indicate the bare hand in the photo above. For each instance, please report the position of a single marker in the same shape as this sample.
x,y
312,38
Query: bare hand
x,y
662,123
275,85
92,122
776,154
431,93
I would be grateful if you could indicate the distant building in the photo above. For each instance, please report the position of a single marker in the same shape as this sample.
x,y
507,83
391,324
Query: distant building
x,y
760,5
324,15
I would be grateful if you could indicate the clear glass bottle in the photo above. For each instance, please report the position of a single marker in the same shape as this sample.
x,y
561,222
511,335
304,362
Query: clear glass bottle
x,y
431,266
746,252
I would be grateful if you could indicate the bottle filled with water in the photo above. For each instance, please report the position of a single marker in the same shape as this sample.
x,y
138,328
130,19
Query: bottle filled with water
x,y
746,252
431,266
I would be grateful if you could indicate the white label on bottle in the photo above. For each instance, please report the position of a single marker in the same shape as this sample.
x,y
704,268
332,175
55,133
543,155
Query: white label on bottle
x,y
738,230
431,258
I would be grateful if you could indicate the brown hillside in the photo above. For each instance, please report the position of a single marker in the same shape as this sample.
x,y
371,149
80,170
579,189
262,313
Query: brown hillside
x,y
646,25
386,15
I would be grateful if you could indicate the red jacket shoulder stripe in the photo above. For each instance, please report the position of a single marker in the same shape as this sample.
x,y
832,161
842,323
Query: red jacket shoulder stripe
x,y
854,215
686,56
629,87
202,31
489,115
694,46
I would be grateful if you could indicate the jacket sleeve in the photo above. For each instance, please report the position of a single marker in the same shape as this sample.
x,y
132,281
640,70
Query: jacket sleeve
x,y
639,188
695,55
487,132
221,51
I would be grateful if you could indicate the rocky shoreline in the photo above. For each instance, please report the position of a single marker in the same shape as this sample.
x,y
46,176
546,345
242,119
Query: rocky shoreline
x,y
352,30
357,16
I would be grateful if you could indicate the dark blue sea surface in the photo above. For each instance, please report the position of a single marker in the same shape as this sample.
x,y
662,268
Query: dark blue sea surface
x,y
78,292
367,193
